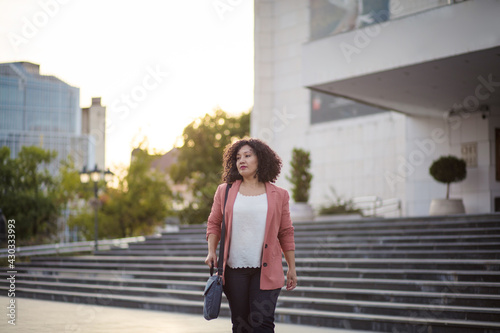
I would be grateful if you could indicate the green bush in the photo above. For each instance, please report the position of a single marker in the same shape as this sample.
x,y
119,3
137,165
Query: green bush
x,y
339,207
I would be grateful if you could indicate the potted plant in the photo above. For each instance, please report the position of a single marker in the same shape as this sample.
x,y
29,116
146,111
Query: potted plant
x,y
300,178
448,169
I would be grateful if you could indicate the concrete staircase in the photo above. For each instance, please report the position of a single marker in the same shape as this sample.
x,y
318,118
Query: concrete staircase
x,y
428,274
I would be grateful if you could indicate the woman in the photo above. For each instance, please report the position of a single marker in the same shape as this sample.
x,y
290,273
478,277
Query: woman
x,y
258,228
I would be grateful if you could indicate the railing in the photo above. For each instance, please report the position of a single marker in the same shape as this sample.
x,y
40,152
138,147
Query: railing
x,y
410,7
333,17
64,248
376,206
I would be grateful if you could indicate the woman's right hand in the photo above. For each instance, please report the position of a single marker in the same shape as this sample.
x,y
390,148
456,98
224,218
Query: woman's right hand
x,y
211,259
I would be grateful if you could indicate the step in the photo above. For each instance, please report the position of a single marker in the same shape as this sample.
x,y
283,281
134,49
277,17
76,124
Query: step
x,y
384,293
448,264
323,252
417,231
174,267
447,296
424,221
413,274
399,239
486,263
325,244
307,281
72,273
196,263
303,246
356,283
162,304
322,304
361,230
367,238
187,290
407,285
373,224
403,223
440,275
121,259
469,221
380,323
475,313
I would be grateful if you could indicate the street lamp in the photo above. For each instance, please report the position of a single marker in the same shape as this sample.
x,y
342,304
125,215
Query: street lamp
x,y
95,175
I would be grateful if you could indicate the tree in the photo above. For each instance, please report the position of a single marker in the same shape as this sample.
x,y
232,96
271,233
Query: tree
x,y
6,172
7,186
300,176
27,193
448,169
145,196
138,205
200,159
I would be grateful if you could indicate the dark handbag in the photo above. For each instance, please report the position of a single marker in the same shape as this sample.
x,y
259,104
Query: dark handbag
x,y
213,289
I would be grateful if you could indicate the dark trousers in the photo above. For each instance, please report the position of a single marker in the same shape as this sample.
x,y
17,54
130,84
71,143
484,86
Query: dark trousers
x,y
252,309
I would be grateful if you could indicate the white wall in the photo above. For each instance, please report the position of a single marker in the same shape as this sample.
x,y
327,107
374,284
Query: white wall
x,y
475,189
280,115
427,139
386,154
354,155
357,157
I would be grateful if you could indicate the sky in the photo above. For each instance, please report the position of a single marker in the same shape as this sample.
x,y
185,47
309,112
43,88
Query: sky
x,y
156,64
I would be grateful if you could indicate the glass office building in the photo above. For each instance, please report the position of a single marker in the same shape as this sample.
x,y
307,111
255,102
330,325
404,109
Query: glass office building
x,y
40,110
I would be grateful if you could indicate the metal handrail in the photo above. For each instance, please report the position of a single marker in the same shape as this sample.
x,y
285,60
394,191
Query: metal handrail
x,y
376,206
60,248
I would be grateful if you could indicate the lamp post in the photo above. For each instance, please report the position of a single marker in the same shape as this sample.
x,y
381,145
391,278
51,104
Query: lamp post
x,y
95,175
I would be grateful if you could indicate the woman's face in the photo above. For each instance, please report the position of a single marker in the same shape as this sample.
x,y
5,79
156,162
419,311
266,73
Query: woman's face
x,y
246,161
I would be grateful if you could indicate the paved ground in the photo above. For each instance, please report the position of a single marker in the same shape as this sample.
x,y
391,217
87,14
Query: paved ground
x,y
59,317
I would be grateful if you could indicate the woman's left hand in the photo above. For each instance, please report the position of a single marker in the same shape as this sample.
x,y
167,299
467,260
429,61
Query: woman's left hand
x,y
291,279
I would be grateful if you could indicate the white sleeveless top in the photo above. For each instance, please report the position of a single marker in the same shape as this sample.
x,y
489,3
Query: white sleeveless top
x,y
248,229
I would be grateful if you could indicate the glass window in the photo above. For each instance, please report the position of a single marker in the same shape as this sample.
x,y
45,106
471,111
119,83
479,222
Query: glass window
x,y
325,107
331,17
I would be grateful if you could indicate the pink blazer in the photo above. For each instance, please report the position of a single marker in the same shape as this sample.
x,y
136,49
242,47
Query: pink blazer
x,y
279,234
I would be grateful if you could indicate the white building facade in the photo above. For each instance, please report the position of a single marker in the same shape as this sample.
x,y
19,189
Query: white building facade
x,y
378,90
94,125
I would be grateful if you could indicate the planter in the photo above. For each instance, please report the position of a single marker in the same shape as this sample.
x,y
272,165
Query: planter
x,y
446,207
301,212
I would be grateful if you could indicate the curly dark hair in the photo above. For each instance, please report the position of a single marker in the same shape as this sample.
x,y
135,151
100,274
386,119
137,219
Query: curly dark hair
x,y
269,163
